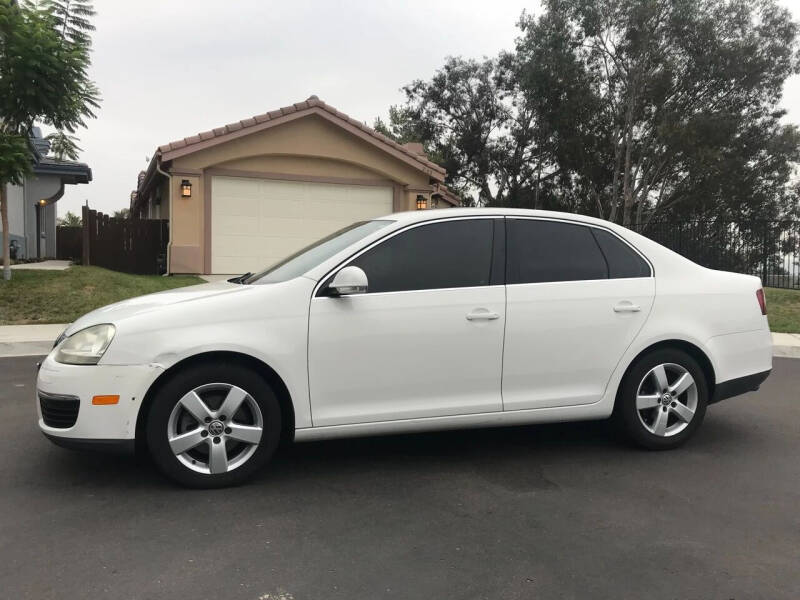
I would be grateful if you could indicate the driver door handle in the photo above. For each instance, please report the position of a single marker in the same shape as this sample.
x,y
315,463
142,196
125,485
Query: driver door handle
x,y
482,315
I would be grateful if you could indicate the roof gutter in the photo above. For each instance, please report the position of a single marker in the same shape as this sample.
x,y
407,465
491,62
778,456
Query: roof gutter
x,y
157,159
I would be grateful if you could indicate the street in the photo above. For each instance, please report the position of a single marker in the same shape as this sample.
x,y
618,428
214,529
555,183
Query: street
x,y
552,511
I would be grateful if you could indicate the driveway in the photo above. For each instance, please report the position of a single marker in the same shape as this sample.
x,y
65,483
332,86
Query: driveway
x,y
556,511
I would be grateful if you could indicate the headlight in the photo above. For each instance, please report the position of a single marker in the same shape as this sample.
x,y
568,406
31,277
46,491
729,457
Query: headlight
x,y
87,346
61,337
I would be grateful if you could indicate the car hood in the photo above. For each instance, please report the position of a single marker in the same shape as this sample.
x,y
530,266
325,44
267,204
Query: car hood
x,y
113,313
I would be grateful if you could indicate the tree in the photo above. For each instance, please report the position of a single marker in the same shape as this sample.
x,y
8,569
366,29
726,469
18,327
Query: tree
x,y
686,95
123,213
472,120
44,60
64,146
70,220
631,110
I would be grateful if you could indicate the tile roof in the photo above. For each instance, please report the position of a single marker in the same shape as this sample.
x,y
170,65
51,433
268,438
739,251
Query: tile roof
x,y
312,104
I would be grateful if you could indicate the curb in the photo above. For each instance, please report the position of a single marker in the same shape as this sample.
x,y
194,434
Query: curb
x,y
9,349
786,351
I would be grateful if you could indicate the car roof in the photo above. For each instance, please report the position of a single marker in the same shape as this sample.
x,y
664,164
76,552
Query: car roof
x,y
416,216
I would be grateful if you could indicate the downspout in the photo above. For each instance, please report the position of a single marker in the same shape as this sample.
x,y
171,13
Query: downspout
x,y
169,196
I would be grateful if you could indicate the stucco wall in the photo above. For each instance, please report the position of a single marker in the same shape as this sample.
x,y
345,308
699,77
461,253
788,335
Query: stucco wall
x,y
186,227
16,217
311,136
46,187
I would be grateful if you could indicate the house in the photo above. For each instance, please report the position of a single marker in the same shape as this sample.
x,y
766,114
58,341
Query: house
x,y
243,196
32,205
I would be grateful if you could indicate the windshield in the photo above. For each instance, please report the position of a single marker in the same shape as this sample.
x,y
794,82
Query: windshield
x,y
309,257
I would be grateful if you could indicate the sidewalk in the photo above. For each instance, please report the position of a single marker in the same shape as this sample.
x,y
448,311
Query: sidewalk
x,y
29,340
45,265
786,344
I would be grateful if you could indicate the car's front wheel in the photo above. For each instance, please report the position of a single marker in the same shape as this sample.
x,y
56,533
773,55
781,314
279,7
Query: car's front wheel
x,y
662,400
213,425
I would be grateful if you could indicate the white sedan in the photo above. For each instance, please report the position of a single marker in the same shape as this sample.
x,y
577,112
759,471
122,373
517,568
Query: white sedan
x,y
417,321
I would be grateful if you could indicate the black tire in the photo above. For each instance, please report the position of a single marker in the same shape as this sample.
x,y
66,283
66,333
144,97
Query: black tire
x,y
627,417
189,379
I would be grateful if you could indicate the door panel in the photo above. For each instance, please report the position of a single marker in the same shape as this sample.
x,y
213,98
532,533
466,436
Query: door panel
x,y
564,339
404,355
576,298
427,338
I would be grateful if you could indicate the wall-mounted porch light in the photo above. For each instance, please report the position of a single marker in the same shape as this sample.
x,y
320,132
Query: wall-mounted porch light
x,y
186,189
422,204
42,202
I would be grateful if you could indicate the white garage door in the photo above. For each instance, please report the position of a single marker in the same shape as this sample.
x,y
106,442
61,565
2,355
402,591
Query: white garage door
x,y
257,222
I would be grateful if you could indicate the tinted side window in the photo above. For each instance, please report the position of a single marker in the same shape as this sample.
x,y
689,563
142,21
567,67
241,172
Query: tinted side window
x,y
451,254
622,260
540,251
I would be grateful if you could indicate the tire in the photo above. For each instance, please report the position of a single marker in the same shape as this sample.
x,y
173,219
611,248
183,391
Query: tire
x,y
643,411
195,443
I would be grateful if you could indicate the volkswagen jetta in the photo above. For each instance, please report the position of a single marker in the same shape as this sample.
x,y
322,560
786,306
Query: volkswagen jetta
x,y
416,321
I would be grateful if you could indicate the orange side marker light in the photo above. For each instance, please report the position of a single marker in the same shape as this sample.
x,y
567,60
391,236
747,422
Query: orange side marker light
x,y
103,400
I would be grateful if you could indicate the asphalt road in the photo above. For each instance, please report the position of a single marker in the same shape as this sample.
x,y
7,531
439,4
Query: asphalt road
x,y
556,511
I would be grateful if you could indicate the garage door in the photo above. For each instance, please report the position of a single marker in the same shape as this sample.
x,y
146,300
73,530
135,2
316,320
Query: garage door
x,y
257,222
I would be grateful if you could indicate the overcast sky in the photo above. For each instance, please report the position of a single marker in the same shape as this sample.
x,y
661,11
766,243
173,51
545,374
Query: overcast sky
x,y
171,69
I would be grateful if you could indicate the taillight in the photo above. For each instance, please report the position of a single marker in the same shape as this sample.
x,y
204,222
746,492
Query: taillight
x,y
762,302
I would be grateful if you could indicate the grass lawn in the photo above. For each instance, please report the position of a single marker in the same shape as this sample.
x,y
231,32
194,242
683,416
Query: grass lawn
x,y
783,310
63,296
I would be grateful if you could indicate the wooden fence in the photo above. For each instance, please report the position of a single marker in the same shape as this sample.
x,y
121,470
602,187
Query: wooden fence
x,y
129,245
69,243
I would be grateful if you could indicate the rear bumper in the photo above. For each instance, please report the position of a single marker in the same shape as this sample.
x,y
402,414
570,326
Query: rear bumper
x,y
738,386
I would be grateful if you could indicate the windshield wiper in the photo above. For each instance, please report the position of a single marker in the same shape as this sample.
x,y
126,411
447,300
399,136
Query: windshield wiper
x,y
240,278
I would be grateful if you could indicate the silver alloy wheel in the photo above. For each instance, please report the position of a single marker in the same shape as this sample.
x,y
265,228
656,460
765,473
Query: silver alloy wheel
x,y
666,400
215,428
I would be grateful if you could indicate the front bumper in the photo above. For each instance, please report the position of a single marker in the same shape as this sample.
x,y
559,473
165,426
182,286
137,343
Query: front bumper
x,y
96,424
104,446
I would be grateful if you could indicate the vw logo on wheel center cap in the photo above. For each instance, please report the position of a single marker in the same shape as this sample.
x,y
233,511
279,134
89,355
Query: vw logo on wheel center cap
x,y
216,428
666,398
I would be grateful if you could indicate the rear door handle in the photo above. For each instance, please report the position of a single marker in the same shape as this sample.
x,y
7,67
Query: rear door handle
x,y
482,315
626,306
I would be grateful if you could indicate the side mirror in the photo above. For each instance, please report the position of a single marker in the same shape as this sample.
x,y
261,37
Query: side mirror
x,y
349,281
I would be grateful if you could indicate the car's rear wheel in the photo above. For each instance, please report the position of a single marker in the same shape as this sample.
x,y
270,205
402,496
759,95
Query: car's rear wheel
x,y
213,425
662,400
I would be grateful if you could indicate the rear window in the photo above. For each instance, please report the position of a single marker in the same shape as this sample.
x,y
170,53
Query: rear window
x,y
548,251
622,260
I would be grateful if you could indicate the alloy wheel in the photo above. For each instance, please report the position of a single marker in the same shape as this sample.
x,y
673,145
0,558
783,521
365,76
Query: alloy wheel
x,y
215,428
666,399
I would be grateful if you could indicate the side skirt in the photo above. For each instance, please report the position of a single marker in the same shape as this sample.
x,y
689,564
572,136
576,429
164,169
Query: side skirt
x,y
587,412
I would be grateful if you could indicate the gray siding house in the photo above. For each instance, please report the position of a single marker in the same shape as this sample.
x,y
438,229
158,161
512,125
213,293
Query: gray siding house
x,y
32,205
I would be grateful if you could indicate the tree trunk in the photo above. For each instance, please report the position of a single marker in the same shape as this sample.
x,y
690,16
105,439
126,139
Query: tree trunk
x,y
615,181
627,184
640,207
627,195
6,236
